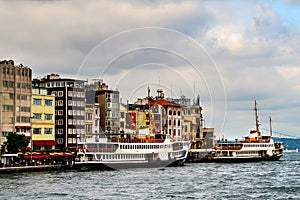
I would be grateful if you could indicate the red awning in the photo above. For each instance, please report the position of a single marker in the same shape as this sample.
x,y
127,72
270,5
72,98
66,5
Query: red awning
x,y
26,127
27,137
44,143
62,154
36,156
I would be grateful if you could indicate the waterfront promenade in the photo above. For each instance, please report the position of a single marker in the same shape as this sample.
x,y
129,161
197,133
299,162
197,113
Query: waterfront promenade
x,y
38,168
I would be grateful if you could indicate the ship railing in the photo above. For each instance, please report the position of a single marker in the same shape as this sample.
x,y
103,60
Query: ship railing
x,y
228,147
137,140
96,150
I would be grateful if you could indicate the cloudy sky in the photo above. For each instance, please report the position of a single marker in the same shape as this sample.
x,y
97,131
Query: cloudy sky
x,y
229,52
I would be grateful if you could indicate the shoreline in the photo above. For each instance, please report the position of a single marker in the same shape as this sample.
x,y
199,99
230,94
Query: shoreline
x,y
39,168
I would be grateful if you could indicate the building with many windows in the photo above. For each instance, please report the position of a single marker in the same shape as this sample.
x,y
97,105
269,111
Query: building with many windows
x,y
162,116
15,99
108,101
43,119
92,119
69,109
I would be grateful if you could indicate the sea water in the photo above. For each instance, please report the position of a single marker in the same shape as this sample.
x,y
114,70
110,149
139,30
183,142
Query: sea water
x,y
261,180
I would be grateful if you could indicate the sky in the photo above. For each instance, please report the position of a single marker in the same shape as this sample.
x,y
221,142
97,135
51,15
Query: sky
x,y
230,53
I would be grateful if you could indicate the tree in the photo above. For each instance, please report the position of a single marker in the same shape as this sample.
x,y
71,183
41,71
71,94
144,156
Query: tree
x,y
15,143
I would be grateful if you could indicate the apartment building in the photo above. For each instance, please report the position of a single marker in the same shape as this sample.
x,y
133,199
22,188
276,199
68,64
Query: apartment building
x,y
69,109
43,121
15,99
108,100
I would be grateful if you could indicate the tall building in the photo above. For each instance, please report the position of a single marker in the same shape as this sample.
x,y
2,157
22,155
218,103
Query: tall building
x,y
123,112
43,121
15,99
69,109
108,101
92,119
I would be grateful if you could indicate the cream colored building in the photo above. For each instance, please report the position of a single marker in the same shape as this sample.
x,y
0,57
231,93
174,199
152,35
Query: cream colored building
x,y
15,99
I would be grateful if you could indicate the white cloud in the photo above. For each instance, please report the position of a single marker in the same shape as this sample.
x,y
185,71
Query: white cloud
x,y
249,43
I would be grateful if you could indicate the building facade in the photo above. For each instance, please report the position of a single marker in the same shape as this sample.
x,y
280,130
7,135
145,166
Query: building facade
x,y
92,119
43,121
15,99
108,101
69,109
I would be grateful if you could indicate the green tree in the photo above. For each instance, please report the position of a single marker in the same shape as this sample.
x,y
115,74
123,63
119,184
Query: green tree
x,y
15,143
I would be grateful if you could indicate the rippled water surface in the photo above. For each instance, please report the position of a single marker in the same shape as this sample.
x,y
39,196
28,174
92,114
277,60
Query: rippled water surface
x,y
264,180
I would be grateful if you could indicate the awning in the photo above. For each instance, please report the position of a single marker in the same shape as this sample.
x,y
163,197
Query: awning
x,y
44,143
27,137
36,156
26,127
62,155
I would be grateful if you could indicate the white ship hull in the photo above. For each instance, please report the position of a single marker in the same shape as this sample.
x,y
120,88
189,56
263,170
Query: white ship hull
x,y
128,154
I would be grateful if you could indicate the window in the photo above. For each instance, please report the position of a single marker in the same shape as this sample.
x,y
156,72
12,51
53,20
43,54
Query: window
x,y
70,121
60,122
48,131
48,116
37,116
60,103
60,112
11,84
37,131
7,108
59,131
60,93
25,109
70,103
48,102
59,141
37,101
70,93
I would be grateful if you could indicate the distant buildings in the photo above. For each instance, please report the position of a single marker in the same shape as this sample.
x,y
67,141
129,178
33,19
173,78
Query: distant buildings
x,y
15,99
58,112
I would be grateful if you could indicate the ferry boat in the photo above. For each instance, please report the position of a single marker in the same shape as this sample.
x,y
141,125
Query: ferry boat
x,y
252,148
121,153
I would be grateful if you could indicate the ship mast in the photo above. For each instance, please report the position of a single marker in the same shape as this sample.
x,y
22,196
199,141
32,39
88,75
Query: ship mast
x,y
256,118
271,132
149,107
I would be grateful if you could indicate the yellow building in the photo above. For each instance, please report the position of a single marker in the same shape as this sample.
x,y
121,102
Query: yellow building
x,y
43,121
